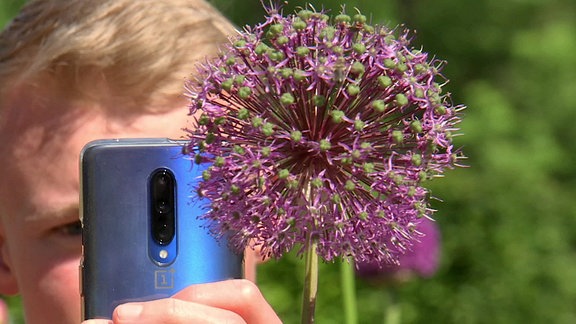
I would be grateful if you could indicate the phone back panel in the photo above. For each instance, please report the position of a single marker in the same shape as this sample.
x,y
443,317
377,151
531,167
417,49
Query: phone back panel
x,y
118,257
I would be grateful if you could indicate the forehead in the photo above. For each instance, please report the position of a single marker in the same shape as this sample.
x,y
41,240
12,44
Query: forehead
x,y
42,133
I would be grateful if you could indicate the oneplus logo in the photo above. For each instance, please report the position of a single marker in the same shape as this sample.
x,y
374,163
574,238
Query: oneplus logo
x,y
164,279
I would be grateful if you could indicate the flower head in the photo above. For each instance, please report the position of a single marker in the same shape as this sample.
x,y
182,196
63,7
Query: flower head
x,y
422,259
321,128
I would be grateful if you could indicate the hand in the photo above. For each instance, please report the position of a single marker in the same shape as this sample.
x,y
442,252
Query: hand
x,y
231,301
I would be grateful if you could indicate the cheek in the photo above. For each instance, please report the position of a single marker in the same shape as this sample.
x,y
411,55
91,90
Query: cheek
x,y
50,292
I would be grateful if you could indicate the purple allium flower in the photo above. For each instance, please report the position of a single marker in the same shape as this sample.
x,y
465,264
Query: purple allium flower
x,y
422,259
321,129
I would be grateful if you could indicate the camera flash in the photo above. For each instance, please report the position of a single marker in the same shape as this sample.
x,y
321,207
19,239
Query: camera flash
x,y
163,254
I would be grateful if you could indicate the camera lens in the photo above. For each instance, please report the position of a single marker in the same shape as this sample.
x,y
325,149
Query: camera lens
x,y
162,188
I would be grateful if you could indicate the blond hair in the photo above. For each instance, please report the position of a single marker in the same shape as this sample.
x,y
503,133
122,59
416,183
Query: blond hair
x,y
139,51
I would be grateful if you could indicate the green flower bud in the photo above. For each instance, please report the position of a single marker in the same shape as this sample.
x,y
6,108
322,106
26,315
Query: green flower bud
x,y
365,146
359,48
239,79
286,73
337,49
287,99
440,110
401,67
275,56
230,61
384,81
257,122
275,30
203,120
389,63
261,49
419,69
244,92
299,24
353,89
227,84
296,136
302,51
210,138
379,105
283,174
234,189
268,129
359,18
328,33
359,125
401,99
282,40
422,175
292,184
240,43
357,68
299,75
336,198
342,18
337,116
206,175
325,145
239,150
317,183
346,160
416,126
266,151
416,159
368,167
398,136
243,114
219,161
305,14
319,100
350,186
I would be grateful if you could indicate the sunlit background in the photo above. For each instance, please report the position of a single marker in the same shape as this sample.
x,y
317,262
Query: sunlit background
x,y
508,222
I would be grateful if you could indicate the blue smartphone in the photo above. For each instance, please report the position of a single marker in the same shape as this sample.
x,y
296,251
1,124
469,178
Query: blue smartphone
x,y
141,235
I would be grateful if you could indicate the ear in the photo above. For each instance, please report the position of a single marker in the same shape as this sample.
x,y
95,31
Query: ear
x,y
8,283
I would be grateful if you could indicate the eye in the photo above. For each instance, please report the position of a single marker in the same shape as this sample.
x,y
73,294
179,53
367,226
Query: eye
x,y
70,229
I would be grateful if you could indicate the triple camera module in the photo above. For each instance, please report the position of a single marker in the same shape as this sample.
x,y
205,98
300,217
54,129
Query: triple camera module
x,y
162,188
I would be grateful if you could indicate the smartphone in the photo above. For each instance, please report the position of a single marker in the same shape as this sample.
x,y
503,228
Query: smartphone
x,y
141,235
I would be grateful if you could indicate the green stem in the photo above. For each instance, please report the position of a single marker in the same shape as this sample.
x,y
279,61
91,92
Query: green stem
x,y
310,283
349,291
393,308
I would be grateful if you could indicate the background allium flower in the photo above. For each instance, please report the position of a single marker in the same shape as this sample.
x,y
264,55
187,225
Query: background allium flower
x,y
321,130
422,259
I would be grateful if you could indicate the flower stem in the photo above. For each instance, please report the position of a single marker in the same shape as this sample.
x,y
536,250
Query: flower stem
x,y
349,291
310,283
393,308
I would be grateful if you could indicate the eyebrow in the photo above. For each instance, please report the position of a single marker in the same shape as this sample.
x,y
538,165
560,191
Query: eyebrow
x,y
54,215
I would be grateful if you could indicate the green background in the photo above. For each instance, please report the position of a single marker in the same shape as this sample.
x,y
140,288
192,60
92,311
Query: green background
x,y
508,221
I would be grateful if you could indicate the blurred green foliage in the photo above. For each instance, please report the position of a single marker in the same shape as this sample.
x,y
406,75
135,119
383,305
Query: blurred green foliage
x,y
509,219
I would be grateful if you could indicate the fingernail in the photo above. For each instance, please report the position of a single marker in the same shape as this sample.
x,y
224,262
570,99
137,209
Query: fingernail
x,y
129,311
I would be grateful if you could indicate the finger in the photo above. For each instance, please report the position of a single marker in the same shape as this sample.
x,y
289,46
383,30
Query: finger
x,y
240,296
172,311
98,321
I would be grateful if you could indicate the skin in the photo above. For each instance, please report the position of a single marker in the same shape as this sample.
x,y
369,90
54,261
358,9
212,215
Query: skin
x,y
40,237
